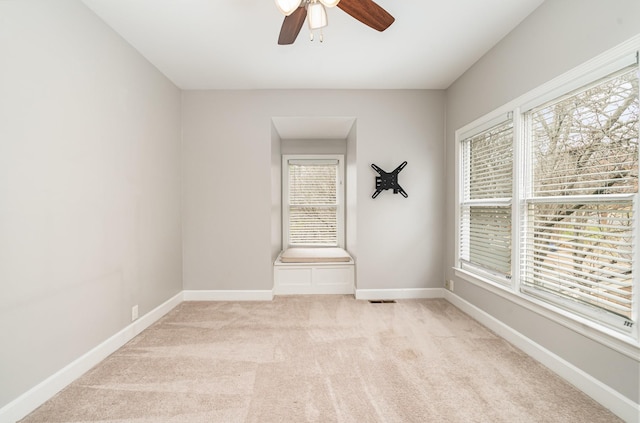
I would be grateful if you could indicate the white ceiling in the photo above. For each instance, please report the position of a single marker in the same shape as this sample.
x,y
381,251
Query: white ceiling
x,y
232,44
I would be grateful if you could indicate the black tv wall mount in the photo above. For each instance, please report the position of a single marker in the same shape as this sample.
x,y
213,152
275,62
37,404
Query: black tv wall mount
x,y
388,180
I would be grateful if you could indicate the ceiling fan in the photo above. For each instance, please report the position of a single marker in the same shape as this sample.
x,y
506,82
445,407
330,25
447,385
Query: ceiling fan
x,y
296,11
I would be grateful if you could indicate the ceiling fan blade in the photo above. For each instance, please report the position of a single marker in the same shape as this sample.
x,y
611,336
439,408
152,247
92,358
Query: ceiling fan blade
x,y
367,12
291,26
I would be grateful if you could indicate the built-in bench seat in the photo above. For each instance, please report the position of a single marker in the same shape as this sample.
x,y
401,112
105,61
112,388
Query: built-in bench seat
x,y
313,271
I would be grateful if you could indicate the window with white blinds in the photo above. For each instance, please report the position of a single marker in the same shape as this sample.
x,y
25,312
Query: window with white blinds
x,y
579,225
485,212
549,201
312,201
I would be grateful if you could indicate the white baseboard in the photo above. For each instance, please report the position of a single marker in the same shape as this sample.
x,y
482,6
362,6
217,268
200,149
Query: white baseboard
x,y
36,396
620,405
398,294
228,295
39,394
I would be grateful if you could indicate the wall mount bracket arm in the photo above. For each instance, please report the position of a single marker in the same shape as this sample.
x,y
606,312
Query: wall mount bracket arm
x,y
388,180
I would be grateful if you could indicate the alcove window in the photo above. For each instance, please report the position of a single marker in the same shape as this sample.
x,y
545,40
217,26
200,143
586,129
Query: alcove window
x,y
313,200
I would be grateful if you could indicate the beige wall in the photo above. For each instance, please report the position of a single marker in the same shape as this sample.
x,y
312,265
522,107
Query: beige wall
x,y
228,162
89,187
558,36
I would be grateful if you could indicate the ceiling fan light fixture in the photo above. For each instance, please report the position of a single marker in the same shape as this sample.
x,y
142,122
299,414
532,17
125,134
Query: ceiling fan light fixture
x,y
287,7
316,15
330,3
314,12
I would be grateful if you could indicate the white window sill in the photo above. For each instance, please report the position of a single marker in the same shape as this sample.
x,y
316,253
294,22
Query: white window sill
x,y
624,344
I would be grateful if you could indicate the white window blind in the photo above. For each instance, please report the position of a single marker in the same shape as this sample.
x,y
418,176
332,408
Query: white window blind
x,y
485,219
579,225
313,202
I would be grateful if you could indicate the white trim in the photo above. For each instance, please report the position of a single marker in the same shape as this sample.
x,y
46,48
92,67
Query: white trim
x,y
36,396
228,295
45,390
342,289
600,67
622,406
610,338
313,278
399,294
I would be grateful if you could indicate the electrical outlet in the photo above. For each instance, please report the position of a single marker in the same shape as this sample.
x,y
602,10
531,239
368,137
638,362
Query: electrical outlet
x,y
134,312
449,285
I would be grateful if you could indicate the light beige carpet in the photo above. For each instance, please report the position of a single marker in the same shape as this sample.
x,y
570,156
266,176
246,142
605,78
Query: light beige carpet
x,y
319,359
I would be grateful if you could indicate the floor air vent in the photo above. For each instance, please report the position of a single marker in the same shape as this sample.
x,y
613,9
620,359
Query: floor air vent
x,y
382,301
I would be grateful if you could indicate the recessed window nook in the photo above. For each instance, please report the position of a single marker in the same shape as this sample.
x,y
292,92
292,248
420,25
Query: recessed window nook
x,y
313,181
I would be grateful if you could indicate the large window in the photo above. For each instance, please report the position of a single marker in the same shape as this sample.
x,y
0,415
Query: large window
x,y
313,201
549,210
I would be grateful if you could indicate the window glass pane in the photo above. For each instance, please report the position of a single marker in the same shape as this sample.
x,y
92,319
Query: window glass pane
x,y
485,221
312,184
587,143
580,249
490,163
486,240
313,205
582,252
313,225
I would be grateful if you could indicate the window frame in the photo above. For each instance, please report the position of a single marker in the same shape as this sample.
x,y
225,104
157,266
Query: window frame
x,y
625,341
340,197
